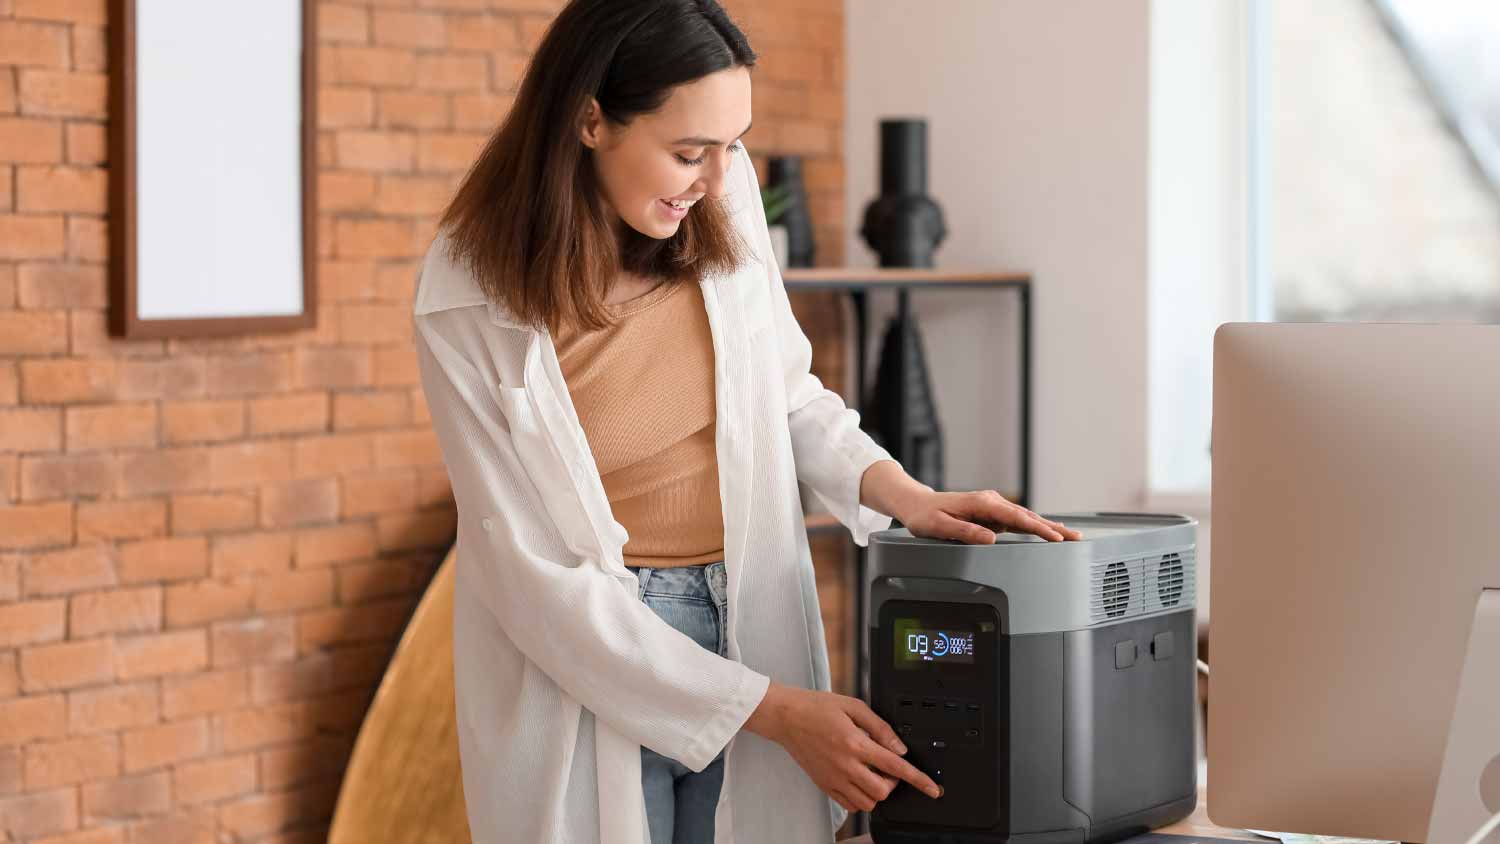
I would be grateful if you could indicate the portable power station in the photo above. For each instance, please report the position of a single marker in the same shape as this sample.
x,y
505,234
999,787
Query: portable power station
x,y
1049,687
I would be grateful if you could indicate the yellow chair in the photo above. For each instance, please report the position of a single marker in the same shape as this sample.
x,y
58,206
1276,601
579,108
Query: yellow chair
x,y
403,784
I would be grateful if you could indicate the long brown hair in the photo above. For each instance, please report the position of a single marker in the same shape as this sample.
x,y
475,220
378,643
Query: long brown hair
x,y
528,219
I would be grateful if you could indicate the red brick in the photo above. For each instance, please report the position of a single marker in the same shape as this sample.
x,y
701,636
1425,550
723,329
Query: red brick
x,y
263,814
382,409
328,367
134,519
67,665
10,577
335,544
359,582
320,673
10,770
24,140
296,590
87,143
26,719
373,66
165,744
196,513
202,421
10,675
30,429
71,570
164,470
168,378
341,190
36,525
448,152
338,23
293,413
10,384
202,694
88,238
410,29
252,641
396,280
41,813
50,477
203,601
374,238
264,725
410,531
64,11
88,336
32,237
69,762
66,380
42,188
178,558
116,611
301,502
31,622
413,110
334,454
200,827
379,492
246,464
251,374
90,49
33,332
376,621
483,111
112,708
161,653
136,796
111,426
407,448
63,94
251,553
482,32
304,761
214,779
97,835
451,72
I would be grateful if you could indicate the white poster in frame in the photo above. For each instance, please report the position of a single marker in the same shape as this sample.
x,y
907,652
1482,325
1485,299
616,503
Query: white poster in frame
x,y
212,167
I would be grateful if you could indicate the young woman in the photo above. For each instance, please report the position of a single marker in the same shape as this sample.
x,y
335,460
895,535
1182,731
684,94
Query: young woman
x,y
624,405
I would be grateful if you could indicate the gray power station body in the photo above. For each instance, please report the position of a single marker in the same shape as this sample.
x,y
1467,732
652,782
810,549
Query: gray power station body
x,y
1050,687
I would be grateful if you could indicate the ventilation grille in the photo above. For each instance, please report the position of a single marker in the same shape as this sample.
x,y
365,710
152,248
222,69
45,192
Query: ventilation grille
x,y
1158,583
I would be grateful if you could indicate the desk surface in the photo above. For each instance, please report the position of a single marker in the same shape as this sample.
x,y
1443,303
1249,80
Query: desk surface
x,y
1195,824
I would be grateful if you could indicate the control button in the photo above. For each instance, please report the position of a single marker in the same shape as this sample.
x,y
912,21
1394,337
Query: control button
x,y
929,703
973,707
951,706
939,744
906,701
1161,646
905,729
971,734
1125,654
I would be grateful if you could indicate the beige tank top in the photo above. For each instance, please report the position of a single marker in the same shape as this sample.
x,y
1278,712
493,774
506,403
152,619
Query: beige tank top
x,y
644,393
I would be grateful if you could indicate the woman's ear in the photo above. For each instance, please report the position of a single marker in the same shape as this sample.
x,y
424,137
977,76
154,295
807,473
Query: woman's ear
x,y
590,122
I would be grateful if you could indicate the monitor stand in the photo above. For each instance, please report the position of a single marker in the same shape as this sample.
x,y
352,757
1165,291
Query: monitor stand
x,y
1468,791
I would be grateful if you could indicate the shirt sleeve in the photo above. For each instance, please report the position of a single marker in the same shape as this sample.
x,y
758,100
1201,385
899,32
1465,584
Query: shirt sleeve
x,y
829,448
580,623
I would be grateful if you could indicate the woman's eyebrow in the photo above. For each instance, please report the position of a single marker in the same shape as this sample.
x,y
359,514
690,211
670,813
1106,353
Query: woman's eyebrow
x,y
708,142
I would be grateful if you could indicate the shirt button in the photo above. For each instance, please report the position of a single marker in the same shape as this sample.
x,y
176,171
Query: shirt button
x,y
485,523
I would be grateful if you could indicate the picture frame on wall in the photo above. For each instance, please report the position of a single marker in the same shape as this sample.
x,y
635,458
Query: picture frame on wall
x,y
213,167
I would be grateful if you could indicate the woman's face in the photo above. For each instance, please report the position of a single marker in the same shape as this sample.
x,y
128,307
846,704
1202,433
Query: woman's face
x,y
680,153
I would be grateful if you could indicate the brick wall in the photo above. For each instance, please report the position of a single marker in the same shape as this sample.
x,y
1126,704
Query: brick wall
x,y
208,548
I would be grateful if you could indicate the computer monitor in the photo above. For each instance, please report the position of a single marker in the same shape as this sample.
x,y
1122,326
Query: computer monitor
x,y
1354,545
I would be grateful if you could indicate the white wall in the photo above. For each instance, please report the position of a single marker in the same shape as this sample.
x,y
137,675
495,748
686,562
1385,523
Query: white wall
x,y
1038,135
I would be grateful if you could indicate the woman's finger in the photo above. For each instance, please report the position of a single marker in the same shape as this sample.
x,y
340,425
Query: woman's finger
x,y
948,527
889,763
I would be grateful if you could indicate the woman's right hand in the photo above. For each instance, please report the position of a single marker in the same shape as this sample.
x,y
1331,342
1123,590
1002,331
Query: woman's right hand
x,y
850,753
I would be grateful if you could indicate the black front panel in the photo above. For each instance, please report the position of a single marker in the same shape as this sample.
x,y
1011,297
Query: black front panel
x,y
940,675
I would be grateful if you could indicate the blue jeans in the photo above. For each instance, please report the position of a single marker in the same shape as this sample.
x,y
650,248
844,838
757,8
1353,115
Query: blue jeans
x,y
680,803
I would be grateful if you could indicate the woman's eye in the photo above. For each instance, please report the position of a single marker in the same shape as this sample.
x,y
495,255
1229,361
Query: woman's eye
x,y
694,162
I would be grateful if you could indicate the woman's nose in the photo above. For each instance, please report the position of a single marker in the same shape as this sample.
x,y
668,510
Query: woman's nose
x,y
713,184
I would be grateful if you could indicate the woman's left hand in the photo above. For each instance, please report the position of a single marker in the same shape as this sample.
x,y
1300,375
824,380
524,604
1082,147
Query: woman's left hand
x,y
973,517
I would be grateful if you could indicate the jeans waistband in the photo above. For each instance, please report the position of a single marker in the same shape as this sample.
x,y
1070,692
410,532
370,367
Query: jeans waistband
x,y
692,581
